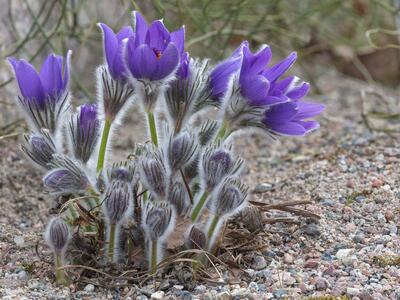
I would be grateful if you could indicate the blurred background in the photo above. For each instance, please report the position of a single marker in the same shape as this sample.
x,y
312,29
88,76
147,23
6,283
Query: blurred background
x,y
359,38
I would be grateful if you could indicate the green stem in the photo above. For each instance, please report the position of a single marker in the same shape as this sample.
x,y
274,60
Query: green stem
x,y
60,276
103,145
199,206
154,256
111,243
211,231
152,127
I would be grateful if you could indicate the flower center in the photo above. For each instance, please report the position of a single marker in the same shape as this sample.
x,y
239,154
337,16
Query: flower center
x,y
157,53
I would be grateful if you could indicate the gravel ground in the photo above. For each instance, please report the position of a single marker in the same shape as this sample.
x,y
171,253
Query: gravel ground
x,y
353,250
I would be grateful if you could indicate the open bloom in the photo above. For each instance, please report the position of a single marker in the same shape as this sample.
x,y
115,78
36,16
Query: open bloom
x,y
113,50
44,94
153,52
291,118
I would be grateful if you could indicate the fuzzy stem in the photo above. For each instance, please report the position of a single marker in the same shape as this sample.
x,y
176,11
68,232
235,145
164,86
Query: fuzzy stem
x,y
199,206
152,127
154,256
103,145
111,242
210,233
60,276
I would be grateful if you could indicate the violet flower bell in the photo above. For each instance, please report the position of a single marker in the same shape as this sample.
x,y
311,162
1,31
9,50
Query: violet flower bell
x,y
84,130
152,57
43,96
114,91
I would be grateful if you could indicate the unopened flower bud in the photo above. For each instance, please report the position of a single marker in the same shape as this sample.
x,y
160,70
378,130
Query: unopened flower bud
x,y
57,235
154,175
158,218
229,197
39,148
118,201
181,150
207,131
177,196
196,238
67,177
84,131
217,163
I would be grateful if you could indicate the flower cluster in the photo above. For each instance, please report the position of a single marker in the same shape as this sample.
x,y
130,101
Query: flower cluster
x,y
187,170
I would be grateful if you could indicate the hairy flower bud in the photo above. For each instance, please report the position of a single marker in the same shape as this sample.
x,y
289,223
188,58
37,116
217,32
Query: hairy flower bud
x,y
84,131
196,238
177,196
229,197
154,174
67,177
39,148
181,150
207,131
217,163
117,201
157,219
57,235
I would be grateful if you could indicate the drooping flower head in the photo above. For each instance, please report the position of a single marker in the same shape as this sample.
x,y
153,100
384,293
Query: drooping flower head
x,y
44,95
113,50
84,131
153,53
66,177
40,148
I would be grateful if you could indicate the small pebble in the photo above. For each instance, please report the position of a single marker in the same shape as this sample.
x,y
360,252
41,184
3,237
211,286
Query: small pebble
x,y
19,241
159,295
262,188
186,295
89,288
312,229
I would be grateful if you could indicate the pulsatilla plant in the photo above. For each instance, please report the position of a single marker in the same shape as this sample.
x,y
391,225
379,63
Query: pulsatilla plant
x,y
187,170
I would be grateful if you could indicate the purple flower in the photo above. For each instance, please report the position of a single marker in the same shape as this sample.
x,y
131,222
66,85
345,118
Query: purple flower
x,y
113,50
258,82
44,95
290,118
222,73
48,85
153,52
84,131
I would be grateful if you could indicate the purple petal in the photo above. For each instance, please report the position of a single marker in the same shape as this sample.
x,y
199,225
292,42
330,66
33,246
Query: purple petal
x,y
125,33
184,67
110,43
308,110
239,50
178,38
280,113
167,63
140,28
158,36
51,74
298,92
142,62
289,128
309,125
253,64
255,89
28,80
283,84
221,75
280,68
